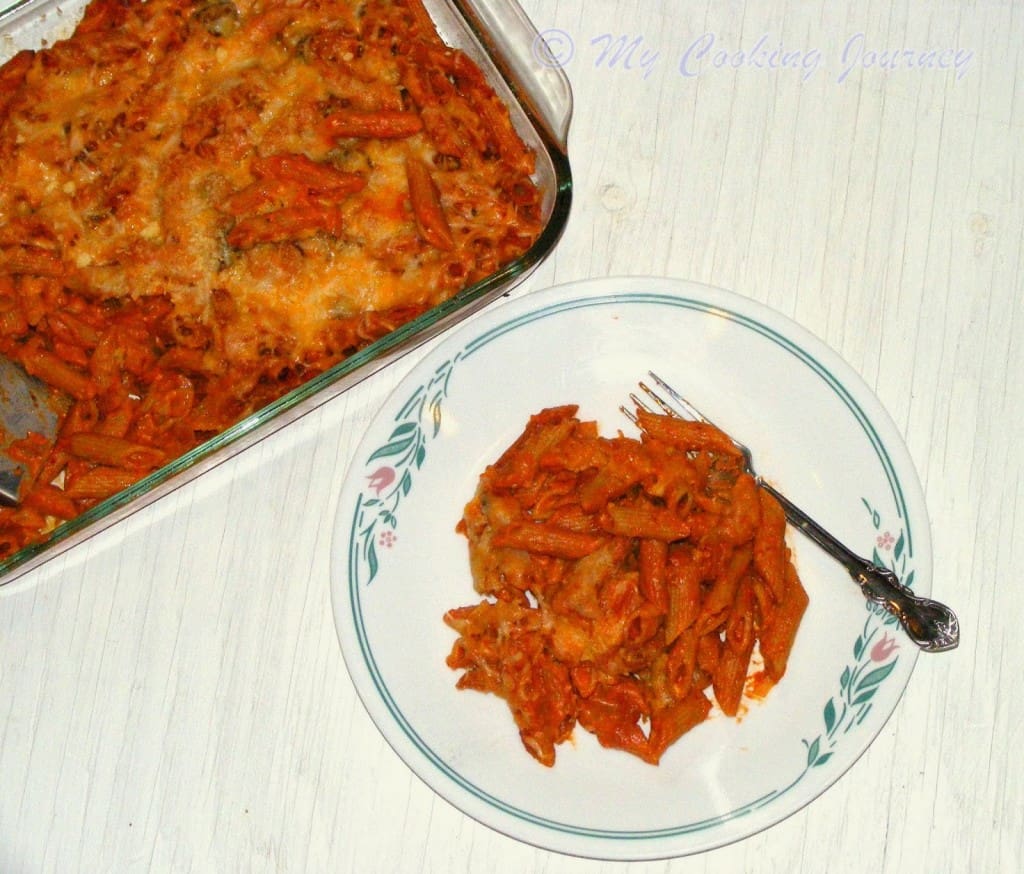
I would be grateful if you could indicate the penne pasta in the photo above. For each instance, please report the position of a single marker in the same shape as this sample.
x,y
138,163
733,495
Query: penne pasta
x,y
673,721
689,436
114,451
546,540
683,582
652,557
645,521
372,124
426,206
628,584
770,553
730,674
96,483
288,223
51,501
55,371
32,261
780,630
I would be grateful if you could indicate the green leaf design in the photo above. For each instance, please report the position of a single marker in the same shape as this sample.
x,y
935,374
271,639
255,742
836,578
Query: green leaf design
x,y
404,428
860,681
876,519
371,560
830,716
876,676
407,451
394,447
863,697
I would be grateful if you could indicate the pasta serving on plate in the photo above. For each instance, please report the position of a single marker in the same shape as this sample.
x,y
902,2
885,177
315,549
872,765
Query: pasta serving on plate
x,y
629,585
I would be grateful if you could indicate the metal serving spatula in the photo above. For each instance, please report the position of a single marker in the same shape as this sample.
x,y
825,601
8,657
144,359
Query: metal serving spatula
x,y
25,405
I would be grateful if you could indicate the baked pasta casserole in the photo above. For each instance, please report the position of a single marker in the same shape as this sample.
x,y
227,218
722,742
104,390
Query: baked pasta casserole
x,y
203,204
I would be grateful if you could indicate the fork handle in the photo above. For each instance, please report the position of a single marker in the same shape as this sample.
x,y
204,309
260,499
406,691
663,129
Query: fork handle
x,y
929,624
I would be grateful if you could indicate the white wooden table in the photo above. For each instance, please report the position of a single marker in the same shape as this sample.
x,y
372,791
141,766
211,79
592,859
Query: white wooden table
x,y
172,694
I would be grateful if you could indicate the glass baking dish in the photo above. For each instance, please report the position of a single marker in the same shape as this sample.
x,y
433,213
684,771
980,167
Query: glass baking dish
x,y
499,37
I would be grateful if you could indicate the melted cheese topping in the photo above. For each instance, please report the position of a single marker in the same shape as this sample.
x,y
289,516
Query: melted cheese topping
x,y
120,147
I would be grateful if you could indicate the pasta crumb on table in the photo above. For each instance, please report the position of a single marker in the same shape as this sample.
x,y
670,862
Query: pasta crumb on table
x,y
629,585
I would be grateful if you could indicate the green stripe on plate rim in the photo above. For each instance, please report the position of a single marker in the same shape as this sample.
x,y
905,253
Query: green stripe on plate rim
x,y
513,324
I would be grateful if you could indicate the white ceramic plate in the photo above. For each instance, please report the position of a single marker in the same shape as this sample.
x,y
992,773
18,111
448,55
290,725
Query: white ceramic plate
x,y
818,433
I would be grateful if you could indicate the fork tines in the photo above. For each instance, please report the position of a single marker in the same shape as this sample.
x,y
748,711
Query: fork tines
x,y
677,408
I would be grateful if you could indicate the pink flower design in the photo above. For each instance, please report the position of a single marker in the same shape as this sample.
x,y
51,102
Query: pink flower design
x,y
381,478
884,648
885,541
387,538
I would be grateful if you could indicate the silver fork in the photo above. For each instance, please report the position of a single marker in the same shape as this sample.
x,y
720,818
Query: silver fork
x,y
930,625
